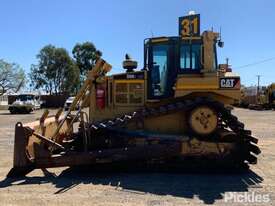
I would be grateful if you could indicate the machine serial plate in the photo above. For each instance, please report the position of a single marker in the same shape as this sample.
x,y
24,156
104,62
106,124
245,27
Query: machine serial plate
x,y
134,75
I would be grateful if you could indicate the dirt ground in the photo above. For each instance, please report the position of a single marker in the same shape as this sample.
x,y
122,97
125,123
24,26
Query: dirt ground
x,y
69,187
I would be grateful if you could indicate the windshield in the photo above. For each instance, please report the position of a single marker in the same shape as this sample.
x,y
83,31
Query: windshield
x,y
25,97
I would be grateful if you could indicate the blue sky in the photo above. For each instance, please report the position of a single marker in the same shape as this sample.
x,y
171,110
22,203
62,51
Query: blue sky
x,y
119,26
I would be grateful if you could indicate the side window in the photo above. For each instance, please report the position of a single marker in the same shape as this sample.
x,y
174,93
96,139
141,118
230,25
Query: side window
x,y
196,54
159,70
190,57
185,59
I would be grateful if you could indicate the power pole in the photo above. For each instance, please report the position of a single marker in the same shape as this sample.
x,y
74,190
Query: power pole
x,y
258,87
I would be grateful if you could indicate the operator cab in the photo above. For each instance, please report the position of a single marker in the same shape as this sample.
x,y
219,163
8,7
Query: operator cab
x,y
167,57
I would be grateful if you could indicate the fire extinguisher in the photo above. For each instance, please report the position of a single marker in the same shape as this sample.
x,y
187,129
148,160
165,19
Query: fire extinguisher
x,y
100,97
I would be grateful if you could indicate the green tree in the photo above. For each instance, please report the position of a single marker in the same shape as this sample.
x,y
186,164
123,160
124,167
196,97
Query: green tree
x,y
12,77
56,72
85,55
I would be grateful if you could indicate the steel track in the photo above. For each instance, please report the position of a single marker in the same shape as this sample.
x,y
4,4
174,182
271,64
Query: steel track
x,y
247,143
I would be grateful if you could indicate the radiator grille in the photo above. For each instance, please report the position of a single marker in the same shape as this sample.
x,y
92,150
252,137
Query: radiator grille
x,y
129,93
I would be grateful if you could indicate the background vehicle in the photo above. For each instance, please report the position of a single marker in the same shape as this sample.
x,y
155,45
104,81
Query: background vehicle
x,y
172,110
68,103
270,92
25,104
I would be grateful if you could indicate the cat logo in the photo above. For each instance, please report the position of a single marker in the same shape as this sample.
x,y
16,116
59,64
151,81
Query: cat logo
x,y
228,82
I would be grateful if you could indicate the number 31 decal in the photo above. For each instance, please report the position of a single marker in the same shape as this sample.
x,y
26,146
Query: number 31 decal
x,y
189,25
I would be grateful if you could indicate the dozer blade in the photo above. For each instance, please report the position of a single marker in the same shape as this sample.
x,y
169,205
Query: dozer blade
x,y
30,143
37,143
21,164
29,156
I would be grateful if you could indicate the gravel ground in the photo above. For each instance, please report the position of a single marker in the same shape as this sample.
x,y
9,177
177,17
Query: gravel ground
x,y
64,186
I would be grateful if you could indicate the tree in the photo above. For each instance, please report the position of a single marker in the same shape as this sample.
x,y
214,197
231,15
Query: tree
x,y
85,55
12,77
56,72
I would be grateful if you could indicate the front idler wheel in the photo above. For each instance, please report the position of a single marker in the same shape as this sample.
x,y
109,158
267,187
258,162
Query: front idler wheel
x,y
203,121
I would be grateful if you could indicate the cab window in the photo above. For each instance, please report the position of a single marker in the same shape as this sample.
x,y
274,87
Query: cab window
x,y
190,57
159,70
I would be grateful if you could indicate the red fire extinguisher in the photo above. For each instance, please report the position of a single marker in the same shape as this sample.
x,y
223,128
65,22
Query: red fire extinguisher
x,y
100,97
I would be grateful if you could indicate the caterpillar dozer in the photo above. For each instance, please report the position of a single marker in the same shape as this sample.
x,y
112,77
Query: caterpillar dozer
x,y
176,108
265,98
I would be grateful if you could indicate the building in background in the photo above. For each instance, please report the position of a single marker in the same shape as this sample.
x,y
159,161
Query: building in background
x,y
4,100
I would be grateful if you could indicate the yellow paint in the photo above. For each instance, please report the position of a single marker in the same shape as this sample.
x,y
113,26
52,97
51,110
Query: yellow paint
x,y
197,83
129,81
195,23
192,38
200,87
185,28
159,40
186,24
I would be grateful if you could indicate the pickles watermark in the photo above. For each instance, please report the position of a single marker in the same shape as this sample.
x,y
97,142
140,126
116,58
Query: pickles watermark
x,y
159,203
246,197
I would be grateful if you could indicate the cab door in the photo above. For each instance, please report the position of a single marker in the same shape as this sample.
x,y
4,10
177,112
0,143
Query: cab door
x,y
162,72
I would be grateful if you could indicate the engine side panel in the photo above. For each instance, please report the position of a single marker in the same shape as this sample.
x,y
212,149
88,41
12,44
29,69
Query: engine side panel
x,y
223,89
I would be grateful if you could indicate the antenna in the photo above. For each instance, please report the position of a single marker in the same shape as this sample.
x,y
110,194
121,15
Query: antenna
x,y
220,42
227,61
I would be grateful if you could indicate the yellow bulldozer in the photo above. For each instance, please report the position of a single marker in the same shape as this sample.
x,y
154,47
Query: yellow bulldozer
x,y
174,109
265,99
270,94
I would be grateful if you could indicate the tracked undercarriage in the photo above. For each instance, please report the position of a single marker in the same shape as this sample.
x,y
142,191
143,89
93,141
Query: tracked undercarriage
x,y
112,140
230,140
